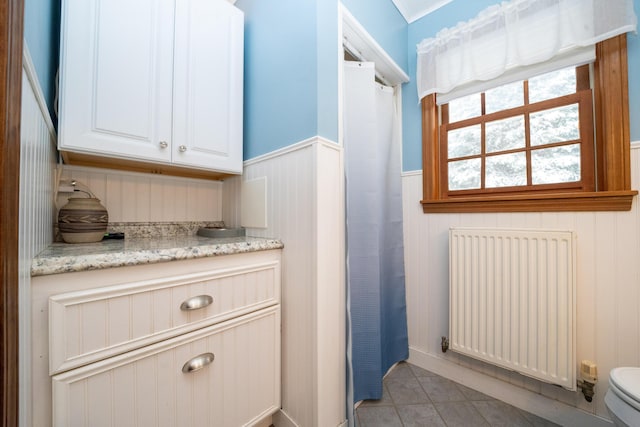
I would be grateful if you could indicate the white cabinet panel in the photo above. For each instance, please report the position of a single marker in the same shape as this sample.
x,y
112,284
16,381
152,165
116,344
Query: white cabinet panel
x,y
153,81
116,77
148,386
208,129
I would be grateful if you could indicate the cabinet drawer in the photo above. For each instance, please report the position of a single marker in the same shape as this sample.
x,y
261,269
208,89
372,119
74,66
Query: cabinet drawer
x,y
86,326
148,386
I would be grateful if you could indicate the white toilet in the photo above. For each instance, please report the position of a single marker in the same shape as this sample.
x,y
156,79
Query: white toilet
x,y
623,397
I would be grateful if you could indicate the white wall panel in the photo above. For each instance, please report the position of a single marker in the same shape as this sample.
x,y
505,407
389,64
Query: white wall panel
x,y
290,179
305,210
608,285
37,162
231,201
137,197
330,291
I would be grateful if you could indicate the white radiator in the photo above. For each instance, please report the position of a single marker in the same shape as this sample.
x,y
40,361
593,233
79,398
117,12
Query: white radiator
x,y
512,300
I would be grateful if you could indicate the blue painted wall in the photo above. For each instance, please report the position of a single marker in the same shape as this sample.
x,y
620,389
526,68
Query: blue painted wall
x,y
385,24
291,73
291,66
327,68
291,63
281,74
42,36
450,15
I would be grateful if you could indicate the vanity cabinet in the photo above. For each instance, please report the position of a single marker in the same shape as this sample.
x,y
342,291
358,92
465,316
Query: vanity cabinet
x,y
158,82
181,343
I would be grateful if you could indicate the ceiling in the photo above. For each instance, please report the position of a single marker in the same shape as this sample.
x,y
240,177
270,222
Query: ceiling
x,y
416,9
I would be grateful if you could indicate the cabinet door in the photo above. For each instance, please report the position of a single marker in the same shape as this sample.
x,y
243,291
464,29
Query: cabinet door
x,y
116,78
148,387
208,76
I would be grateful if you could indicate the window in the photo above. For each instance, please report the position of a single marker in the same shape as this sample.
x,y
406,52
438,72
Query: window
x,y
529,135
529,145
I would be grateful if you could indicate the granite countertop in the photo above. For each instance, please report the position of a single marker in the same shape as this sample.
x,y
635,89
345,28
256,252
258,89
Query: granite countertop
x,y
66,258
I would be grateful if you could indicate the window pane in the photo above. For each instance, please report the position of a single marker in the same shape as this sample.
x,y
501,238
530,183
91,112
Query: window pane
x,y
464,108
556,165
505,134
556,125
552,85
463,142
464,174
504,97
506,170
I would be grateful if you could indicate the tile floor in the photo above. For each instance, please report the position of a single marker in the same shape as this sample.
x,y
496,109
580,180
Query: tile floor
x,y
416,397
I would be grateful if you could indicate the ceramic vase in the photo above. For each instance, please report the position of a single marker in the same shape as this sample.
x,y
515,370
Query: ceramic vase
x,y
83,220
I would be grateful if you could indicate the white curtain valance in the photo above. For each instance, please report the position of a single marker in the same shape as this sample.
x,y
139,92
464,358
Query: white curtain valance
x,y
507,38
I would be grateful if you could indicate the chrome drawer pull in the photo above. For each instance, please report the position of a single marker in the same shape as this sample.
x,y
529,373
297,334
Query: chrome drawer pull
x,y
195,303
198,362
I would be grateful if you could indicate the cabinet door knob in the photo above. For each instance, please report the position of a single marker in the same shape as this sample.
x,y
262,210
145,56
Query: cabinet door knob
x,y
182,148
198,362
164,144
197,302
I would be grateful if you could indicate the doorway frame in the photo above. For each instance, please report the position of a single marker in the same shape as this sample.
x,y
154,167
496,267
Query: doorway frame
x,y
355,38
11,40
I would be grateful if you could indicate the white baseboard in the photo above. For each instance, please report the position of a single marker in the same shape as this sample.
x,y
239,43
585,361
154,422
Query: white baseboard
x,y
281,419
534,403
265,422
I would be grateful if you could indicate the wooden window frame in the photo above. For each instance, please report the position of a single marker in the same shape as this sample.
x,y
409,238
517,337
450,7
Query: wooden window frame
x,y
12,18
581,97
612,158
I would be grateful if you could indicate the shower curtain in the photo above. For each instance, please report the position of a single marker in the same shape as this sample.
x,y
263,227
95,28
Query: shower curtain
x,y
377,320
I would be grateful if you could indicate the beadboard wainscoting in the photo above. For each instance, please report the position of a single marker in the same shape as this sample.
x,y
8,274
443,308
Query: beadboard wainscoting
x,y
37,163
608,296
141,197
305,210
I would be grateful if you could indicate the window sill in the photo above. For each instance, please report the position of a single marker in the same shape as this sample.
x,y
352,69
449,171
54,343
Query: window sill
x,y
556,202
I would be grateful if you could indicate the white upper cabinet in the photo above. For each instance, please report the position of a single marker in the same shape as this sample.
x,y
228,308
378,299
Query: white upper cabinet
x,y
154,81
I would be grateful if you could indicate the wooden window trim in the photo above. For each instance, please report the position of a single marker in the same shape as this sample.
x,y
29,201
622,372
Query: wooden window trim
x,y
613,170
11,16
